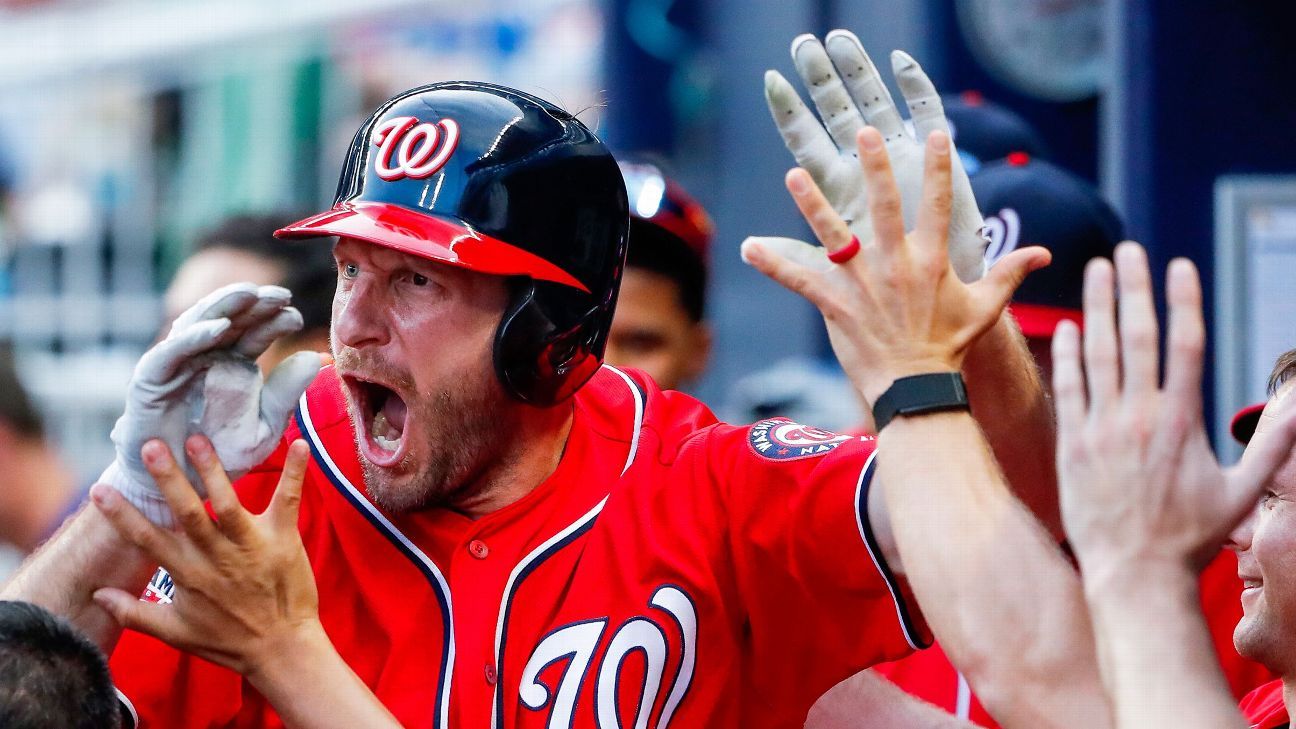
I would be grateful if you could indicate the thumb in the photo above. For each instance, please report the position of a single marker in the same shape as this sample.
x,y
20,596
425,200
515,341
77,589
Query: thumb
x,y
1008,273
131,612
285,386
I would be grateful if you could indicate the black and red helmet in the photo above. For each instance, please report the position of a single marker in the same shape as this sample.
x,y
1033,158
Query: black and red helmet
x,y
501,182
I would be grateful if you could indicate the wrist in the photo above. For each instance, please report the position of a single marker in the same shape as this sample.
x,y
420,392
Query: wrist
x,y
284,657
884,377
1130,576
145,497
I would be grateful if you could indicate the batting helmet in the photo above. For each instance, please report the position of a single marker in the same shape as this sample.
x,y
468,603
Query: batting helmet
x,y
501,182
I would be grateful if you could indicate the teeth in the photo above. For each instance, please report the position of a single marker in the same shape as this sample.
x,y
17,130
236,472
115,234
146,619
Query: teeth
x,y
382,432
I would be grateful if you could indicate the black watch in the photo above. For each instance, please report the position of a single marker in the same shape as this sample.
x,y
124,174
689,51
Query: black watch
x,y
918,394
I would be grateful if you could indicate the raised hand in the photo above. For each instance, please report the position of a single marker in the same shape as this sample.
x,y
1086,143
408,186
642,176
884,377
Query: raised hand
x,y
849,94
896,307
1138,480
244,586
203,378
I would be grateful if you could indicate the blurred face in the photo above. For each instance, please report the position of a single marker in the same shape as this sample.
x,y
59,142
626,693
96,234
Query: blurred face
x,y
210,269
1266,547
412,340
652,331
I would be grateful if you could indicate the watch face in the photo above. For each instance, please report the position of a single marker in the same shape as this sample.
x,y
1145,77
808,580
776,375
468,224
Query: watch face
x,y
1050,49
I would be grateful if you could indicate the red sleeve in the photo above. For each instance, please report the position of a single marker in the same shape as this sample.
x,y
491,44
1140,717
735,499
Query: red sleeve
x,y
820,599
1264,707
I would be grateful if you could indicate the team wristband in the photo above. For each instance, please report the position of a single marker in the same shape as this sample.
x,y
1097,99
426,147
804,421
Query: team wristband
x,y
918,394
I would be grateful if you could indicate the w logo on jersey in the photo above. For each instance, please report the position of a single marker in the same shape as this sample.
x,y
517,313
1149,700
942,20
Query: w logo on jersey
x,y
419,149
638,670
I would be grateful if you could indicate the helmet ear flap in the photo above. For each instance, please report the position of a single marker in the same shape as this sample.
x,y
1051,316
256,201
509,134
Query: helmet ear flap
x,y
536,361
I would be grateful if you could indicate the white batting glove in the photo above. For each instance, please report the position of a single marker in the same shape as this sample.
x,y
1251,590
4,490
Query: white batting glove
x,y
203,378
848,93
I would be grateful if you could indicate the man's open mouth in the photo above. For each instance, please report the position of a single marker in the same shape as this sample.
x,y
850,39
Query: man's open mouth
x,y
383,416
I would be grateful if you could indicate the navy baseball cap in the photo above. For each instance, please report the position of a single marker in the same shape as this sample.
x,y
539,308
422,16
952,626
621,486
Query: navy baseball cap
x,y
1029,202
984,131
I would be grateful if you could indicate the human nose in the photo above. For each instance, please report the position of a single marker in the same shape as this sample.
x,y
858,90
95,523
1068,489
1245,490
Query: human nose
x,y
1239,540
357,315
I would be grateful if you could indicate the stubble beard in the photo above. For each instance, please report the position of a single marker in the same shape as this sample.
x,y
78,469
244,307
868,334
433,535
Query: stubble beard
x,y
465,430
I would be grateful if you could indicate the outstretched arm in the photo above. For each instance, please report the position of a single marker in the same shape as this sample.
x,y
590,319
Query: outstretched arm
x,y
1008,400
991,581
868,700
1144,501
245,594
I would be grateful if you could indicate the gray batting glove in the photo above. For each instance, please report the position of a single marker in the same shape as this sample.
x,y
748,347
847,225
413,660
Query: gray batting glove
x,y
848,94
203,378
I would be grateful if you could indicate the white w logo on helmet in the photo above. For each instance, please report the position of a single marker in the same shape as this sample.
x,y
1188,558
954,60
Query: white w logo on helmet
x,y
420,149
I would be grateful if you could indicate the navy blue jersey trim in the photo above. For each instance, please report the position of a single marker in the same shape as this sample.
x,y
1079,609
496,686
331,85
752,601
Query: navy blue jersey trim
x,y
903,611
508,604
439,710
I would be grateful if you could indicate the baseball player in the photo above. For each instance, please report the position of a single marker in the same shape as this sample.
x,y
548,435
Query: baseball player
x,y
504,532
660,323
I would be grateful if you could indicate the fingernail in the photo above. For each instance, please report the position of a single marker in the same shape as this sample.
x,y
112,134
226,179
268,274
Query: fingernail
x,y
102,495
153,452
870,140
749,249
797,183
939,142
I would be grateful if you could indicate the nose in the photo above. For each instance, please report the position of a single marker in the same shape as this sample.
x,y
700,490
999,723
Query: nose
x,y
1239,540
358,315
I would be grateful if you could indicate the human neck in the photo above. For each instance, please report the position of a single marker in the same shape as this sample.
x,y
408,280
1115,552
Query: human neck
x,y
38,489
540,439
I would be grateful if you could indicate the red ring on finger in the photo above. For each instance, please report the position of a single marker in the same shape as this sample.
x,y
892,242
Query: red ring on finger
x,y
846,252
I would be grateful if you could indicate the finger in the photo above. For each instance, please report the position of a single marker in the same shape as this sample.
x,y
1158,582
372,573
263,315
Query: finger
x,y
286,502
167,359
190,514
1186,334
812,257
997,287
933,221
1137,321
223,303
1068,382
925,108
159,621
864,83
787,273
285,385
836,108
1101,364
231,518
258,338
1262,458
884,203
156,542
270,301
827,225
802,133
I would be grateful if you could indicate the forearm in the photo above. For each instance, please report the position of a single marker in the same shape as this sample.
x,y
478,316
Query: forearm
x,y
84,555
311,687
868,700
995,589
1012,407
1147,617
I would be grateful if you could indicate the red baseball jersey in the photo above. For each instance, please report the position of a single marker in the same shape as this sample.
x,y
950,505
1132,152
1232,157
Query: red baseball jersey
x,y
672,572
1264,707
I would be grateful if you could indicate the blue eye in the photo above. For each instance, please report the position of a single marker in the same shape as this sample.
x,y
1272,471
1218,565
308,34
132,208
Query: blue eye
x,y
350,270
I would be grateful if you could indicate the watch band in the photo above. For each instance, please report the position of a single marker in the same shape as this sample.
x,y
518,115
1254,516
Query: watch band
x,y
918,394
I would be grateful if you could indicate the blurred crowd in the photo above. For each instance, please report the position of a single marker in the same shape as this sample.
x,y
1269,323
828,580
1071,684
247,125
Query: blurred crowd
x,y
661,328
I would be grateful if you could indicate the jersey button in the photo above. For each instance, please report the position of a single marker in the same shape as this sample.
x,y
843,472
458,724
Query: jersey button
x,y
478,549
491,676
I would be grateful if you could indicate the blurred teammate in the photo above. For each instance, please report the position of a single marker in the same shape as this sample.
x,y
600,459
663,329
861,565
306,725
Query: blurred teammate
x,y
243,248
38,491
51,676
660,322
